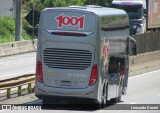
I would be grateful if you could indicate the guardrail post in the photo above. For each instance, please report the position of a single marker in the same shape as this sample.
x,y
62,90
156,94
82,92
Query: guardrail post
x,y
8,93
29,88
19,90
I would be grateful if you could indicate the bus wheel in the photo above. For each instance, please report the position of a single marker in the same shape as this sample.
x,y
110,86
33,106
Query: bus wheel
x,y
97,106
104,97
49,101
120,91
46,101
102,104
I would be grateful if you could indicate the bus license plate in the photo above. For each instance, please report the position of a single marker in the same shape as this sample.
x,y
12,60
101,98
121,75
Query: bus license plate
x,y
65,83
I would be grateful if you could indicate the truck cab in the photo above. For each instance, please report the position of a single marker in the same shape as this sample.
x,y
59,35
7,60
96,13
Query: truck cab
x,y
135,11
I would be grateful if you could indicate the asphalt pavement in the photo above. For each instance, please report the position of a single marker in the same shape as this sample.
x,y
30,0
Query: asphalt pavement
x,y
17,65
143,91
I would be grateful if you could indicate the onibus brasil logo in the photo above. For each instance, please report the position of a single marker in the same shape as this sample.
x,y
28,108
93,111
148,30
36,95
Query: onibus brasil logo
x,y
20,107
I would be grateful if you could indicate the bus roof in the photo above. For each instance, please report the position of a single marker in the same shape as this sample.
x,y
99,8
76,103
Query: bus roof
x,y
97,10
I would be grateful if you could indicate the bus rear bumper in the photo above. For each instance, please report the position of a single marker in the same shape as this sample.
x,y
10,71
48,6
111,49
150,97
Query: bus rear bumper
x,y
42,91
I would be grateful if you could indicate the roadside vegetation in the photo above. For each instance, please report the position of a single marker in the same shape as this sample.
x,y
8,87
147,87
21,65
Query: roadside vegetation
x,y
41,4
7,30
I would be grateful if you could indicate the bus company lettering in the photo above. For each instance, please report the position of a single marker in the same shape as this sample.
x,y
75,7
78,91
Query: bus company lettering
x,y
77,75
73,21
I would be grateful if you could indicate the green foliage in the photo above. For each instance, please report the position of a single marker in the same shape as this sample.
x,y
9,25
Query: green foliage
x,y
7,30
7,27
65,3
104,3
41,4
35,4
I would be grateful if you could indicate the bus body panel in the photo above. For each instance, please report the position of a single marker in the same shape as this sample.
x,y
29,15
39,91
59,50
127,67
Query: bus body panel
x,y
89,92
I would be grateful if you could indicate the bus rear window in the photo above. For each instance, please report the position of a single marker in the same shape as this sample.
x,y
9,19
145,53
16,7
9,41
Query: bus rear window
x,y
69,21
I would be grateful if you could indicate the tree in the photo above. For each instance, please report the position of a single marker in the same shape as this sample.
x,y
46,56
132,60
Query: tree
x,y
109,2
65,3
41,4
99,2
91,2
102,2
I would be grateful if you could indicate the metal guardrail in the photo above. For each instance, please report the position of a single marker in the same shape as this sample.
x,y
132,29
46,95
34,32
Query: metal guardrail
x,y
18,82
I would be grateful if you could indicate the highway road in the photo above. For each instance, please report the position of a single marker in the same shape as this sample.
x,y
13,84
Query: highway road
x,y
143,89
17,65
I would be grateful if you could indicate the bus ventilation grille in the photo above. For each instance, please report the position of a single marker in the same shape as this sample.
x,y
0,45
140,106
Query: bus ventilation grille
x,y
67,58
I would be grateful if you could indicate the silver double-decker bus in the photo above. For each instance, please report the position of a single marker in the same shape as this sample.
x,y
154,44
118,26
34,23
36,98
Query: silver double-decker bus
x,y
82,54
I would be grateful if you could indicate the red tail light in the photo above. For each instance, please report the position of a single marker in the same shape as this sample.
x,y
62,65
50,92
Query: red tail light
x,y
94,75
122,73
39,73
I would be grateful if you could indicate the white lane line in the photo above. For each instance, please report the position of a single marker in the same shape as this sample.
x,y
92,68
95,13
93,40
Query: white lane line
x,y
133,103
158,94
16,61
16,74
137,76
35,102
2,110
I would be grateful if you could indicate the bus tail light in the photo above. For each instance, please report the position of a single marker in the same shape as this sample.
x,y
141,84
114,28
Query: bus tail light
x,y
39,73
94,75
122,73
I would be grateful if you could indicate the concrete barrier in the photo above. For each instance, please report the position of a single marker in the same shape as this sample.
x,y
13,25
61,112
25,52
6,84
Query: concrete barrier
x,y
144,60
18,47
147,42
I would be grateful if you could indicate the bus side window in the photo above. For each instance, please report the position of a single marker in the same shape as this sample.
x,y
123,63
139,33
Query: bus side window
x,y
116,65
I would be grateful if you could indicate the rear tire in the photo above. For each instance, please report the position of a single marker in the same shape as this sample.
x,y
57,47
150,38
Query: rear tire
x,y
48,101
120,92
45,101
101,104
94,106
104,97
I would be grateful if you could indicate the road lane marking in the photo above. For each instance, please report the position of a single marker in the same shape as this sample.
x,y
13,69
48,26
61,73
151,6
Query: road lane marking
x,y
141,75
2,110
158,94
35,102
16,74
16,61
